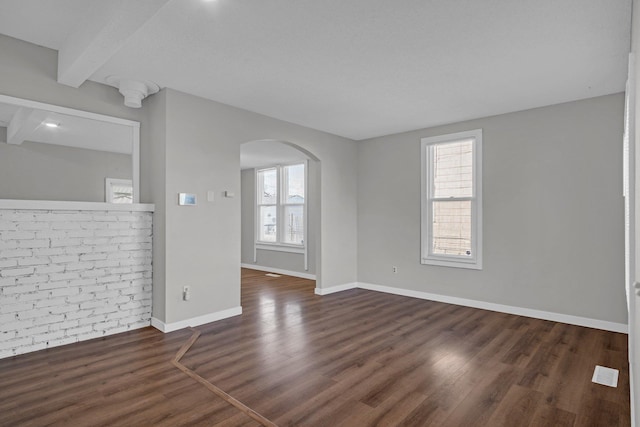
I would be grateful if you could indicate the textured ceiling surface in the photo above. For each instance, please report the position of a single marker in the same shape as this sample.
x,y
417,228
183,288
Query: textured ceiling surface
x,y
356,68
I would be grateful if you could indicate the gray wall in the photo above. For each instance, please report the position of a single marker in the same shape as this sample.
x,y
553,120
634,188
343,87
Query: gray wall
x,y
553,211
200,151
275,259
35,171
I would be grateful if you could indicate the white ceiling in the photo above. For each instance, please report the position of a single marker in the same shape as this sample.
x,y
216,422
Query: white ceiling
x,y
355,68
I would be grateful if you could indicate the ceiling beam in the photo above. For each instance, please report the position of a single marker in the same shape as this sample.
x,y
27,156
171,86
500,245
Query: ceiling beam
x,y
98,39
23,124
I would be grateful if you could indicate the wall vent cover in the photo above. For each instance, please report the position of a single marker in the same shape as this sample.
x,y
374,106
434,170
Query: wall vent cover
x,y
605,376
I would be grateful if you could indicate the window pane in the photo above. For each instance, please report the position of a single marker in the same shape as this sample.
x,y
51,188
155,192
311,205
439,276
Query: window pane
x,y
267,231
451,225
293,224
453,169
293,178
267,187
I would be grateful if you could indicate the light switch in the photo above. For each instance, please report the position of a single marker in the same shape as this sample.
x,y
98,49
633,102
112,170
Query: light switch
x,y
211,196
229,194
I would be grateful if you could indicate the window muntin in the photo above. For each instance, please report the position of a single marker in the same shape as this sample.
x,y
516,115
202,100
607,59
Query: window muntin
x,y
451,200
281,205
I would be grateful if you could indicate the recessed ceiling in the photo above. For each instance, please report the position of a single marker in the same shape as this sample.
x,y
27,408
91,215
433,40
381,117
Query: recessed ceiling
x,y
355,68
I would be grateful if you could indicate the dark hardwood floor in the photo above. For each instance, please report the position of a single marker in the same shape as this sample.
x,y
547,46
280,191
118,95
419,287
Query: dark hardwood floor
x,y
356,358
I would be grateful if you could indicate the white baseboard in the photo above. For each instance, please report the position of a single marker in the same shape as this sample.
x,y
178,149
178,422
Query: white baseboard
x,y
519,311
279,271
334,289
195,321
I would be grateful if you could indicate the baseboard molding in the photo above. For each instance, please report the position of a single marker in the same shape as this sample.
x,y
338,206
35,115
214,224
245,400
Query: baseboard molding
x,y
279,271
195,321
519,311
334,289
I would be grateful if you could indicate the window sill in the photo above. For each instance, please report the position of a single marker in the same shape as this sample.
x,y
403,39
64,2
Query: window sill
x,y
472,265
280,248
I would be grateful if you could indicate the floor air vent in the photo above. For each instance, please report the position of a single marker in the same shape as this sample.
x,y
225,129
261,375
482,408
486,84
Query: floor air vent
x,y
605,376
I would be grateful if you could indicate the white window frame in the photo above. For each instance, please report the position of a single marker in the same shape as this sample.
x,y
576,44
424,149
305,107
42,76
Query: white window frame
x,y
427,257
279,245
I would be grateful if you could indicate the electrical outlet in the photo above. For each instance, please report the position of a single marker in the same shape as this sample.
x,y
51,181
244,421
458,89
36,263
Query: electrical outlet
x,y
395,269
186,293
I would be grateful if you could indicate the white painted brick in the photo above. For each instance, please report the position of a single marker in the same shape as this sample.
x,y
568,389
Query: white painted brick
x,y
141,312
106,248
64,259
90,335
105,218
51,234
8,317
65,225
29,244
106,294
13,272
32,296
79,249
117,225
80,330
26,313
93,319
80,233
90,225
139,324
65,291
16,308
131,290
120,314
19,289
16,325
8,335
49,336
92,304
30,332
107,309
63,341
9,262
83,282
67,324
68,217
15,253
7,215
15,343
120,270
17,235
97,272
65,242
131,276
8,244
63,309
79,314
120,255
118,330
77,266
106,233
110,324
53,285
122,299
34,279
107,263
129,305
32,261
94,288
80,298
32,226
33,347
114,278
47,251
47,319
7,225
51,302
64,276
93,257
96,241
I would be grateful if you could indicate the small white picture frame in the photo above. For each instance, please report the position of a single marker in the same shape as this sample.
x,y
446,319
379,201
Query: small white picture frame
x,y
118,190
187,199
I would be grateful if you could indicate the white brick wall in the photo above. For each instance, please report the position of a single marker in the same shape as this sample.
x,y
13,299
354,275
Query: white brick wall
x,y
72,275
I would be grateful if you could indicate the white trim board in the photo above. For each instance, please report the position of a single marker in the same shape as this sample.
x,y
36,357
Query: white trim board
x,y
195,321
501,308
279,271
54,205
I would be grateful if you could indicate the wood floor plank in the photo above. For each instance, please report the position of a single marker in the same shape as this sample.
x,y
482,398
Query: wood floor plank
x,y
354,358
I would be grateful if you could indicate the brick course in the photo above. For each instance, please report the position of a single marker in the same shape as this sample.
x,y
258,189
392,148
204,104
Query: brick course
x,y
72,275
